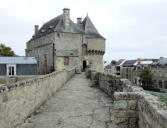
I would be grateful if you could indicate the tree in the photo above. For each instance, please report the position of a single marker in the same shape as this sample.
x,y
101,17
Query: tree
x,y
6,51
113,62
146,77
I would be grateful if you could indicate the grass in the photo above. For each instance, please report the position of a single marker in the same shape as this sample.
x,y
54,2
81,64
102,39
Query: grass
x,y
162,95
163,99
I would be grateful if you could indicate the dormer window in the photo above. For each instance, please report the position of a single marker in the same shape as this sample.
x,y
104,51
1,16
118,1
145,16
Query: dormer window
x,y
51,26
42,30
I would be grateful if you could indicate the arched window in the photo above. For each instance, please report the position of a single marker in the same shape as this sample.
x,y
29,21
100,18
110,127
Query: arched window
x,y
84,49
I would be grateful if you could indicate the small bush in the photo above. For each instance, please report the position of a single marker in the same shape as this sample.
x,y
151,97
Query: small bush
x,y
149,88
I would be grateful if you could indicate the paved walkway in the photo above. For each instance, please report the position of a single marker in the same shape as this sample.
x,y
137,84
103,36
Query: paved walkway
x,y
76,105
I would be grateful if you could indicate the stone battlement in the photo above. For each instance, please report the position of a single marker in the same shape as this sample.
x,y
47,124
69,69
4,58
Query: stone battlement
x,y
20,100
133,108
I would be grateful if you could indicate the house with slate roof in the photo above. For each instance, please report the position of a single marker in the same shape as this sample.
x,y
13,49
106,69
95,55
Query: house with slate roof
x,y
17,66
60,43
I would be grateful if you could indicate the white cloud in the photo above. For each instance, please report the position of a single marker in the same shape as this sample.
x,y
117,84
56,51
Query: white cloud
x,y
130,26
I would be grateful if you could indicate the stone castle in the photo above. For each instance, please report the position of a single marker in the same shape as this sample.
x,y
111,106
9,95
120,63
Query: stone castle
x,y
60,44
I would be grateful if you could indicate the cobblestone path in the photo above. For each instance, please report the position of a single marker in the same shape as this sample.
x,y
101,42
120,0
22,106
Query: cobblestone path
x,y
76,105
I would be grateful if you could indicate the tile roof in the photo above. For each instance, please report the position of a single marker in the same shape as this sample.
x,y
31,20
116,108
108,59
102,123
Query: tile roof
x,y
17,60
57,25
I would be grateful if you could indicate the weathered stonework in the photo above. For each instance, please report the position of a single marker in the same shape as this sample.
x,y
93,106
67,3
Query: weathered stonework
x,y
19,100
61,34
133,108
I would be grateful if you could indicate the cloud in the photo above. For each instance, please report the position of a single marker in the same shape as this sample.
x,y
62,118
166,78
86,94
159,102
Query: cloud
x,y
132,28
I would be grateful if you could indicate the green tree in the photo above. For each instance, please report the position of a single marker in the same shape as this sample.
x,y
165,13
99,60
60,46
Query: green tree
x,y
146,77
113,62
6,51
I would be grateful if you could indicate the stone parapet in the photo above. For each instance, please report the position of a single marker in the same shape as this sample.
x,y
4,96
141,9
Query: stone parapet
x,y
133,108
19,100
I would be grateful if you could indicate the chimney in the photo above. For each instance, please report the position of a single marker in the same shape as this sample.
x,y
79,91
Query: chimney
x,y
138,61
79,20
36,28
66,19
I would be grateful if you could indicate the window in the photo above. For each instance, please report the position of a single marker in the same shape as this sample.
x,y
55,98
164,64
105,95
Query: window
x,y
160,83
11,70
84,49
66,60
165,84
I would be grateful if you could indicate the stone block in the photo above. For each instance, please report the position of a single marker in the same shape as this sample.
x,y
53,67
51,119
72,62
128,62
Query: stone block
x,y
132,104
3,97
133,121
125,113
121,104
125,126
126,95
95,83
121,121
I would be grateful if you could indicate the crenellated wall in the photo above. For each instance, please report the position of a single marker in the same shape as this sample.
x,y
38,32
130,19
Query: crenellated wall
x,y
133,108
19,100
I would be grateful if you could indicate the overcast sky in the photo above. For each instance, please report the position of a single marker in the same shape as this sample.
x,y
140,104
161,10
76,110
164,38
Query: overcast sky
x,y
132,28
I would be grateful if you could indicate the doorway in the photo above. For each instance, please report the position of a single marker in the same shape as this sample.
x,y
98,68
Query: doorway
x,y
11,70
84,65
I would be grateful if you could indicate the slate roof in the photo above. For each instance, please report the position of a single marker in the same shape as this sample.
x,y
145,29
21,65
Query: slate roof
x,y
57,25
119,62
89,28
129,63
162,61
17,60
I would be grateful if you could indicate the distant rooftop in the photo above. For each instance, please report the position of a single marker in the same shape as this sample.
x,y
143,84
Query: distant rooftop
x,y
17,60
119,62
162,61
129,63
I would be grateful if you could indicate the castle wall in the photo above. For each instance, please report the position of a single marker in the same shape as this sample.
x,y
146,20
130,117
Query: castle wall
x,y
68,41
73,62
96,61
19,100
96,44
133,107
42,49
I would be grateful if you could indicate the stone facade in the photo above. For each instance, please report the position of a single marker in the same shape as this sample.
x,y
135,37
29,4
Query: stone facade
x,y
53,42
133,108
19,100
159,76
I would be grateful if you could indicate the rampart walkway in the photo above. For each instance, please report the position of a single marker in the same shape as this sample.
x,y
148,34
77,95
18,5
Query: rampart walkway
x,y
76,105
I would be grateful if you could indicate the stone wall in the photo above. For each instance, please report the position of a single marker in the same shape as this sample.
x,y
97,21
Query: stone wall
x,y
10,80
19,100
44,50
133,108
